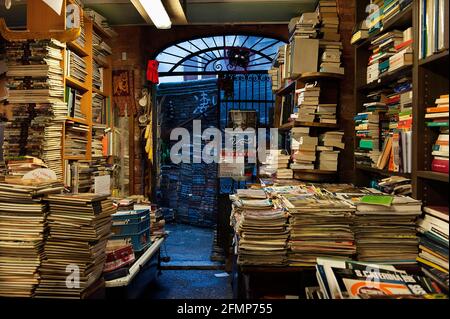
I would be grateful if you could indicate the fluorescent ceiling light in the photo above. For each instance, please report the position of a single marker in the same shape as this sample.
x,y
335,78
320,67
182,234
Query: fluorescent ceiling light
x,y
154,10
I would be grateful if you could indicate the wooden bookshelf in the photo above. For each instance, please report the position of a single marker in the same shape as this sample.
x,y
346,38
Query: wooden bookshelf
x,y
86,88
429,80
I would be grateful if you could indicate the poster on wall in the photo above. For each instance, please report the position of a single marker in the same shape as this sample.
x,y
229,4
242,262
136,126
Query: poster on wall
x,y
123,92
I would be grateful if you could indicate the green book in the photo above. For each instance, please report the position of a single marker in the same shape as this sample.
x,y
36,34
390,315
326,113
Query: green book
x,y
383,200
366,144
437,124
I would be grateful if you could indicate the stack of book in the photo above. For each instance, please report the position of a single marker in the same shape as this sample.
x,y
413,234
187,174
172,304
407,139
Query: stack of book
x,y
326,113
308,101
306,26
440,153
261,229
36,92
348,279
396,185
100,21
75,66
100,49
98,134
19,167
404,52
433,254
76,243
81,40
375,17
390,9
76,139
276,164
22,234
329,26
81,177
433,33
97,76
437,116
305,155
383,47
98,108
368,132
328,153
330,45
320,226
385,229
360,32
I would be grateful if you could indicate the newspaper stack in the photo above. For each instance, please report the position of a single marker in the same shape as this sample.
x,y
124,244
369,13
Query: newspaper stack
x,y
385,229
260,228
79,229
22,234
36,93
320,226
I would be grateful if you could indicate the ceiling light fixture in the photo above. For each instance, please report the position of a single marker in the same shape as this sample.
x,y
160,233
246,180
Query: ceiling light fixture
x,y
153,10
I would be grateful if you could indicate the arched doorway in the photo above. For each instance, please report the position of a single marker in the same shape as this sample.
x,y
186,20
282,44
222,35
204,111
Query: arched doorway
x,y
207,79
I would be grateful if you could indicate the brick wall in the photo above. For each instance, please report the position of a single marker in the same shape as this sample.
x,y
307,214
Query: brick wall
x,y
130,42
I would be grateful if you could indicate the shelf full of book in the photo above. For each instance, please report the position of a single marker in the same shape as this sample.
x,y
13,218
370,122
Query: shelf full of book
x,y
306,77
401,94
89,127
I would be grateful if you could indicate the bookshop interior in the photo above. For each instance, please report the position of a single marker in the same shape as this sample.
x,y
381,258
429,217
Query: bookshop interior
x,y
226,149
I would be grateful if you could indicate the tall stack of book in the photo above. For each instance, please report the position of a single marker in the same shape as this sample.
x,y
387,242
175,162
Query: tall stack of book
x,y
368,133
100,49
433,254
36,92
385,229
328,153
75,66
23,228
383,47
320,226
308,101
76,139
261,229
437,116
76,242
433,33
330,45
305,155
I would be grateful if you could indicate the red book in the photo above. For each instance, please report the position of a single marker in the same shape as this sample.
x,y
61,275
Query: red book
x,y
439,165
403,45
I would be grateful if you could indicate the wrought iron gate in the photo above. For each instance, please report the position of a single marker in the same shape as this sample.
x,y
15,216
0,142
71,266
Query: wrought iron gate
x,y
252,91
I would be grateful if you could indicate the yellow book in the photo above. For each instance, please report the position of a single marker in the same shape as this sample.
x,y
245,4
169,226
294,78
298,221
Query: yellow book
x,y
431,264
